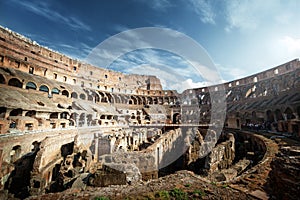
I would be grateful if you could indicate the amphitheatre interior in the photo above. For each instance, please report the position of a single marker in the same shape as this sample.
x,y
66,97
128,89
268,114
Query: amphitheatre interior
x,y
66,124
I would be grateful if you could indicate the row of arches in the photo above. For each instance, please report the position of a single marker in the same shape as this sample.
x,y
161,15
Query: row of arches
x,y
90,95
15,82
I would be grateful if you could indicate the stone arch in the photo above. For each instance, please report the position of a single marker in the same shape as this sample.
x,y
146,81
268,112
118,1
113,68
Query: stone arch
x,y
89,119
55,91
289,113
134,100
65,93
96,97
270,116
254,117
16,112
31,86
110,98
15,82
176,118
149,100
117,99
3,112
30,113
2,79
54,115
64,115
278,114
15,153
74,117
44,88
74,95
81,121
82,96
90,98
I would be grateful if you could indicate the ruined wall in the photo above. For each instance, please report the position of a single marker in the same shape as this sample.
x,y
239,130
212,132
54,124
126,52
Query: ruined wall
x,y
285,180
221,156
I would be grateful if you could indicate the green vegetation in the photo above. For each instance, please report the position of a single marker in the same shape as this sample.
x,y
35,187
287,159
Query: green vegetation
x,y
162,194
101,198
179,194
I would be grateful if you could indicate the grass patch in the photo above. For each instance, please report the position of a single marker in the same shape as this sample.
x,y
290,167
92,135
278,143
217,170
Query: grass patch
x,y
179,194
101,198
162,194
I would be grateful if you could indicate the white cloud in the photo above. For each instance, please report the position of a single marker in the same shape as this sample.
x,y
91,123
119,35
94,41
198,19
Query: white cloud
x,y
204,10
291,45
169,79
253,15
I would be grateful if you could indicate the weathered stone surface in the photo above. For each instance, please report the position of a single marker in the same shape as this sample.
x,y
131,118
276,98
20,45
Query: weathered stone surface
x,y
285,174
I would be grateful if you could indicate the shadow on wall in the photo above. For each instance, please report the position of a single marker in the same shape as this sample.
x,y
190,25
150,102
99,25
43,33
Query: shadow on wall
x,y
19,180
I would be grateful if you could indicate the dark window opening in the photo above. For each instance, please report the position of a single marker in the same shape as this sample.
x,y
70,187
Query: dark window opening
x,y
44,88
55,91
55,76
31,86
16,112
2,79
31,69
74,95
15,82
65,93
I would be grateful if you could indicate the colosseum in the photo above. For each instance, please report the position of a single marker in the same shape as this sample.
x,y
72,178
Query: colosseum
x,y
70,130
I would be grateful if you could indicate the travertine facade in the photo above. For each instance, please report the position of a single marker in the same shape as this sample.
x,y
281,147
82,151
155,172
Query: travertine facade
x,y
59,116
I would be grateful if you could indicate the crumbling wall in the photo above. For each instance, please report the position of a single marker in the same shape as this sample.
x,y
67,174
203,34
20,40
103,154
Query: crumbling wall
x,y
284,177
221,156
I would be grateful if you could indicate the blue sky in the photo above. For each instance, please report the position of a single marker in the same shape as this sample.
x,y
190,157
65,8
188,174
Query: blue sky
x,y
241,37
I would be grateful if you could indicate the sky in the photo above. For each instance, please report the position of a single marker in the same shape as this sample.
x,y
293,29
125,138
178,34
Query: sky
x,y
241,37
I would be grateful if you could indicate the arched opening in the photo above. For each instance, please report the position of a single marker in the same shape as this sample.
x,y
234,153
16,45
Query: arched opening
x,y
237,123
15,82
2,112
16,112
55,91
104,100
2,79
65,93
289,114
31,113
89,119
81,119
44,88
270,116
82,96
74,117
15,154
90,98
54,115
31,86
64,115
74,95
176,118
278,114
